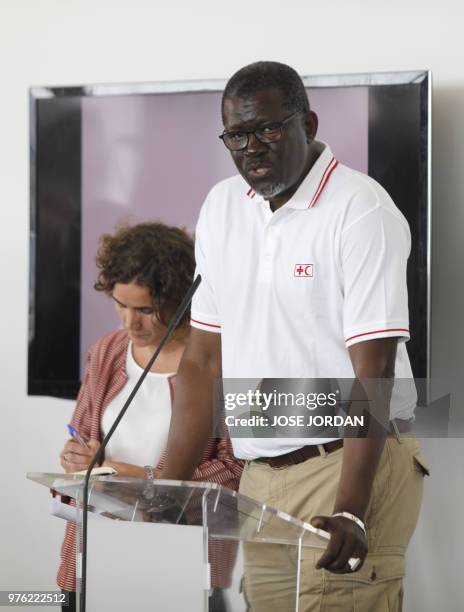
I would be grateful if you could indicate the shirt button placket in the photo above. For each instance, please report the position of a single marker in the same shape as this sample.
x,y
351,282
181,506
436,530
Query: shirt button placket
x,y
268,252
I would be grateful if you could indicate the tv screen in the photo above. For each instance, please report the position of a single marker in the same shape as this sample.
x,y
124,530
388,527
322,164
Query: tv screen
x,y
103,155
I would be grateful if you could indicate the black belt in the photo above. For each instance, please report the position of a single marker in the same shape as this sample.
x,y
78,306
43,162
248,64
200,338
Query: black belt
x,y
300,454
308,452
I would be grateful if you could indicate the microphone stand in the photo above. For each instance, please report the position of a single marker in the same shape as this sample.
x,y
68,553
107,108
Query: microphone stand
x,y
99,454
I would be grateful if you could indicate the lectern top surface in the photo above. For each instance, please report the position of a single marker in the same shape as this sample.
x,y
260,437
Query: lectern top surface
x,y
225,513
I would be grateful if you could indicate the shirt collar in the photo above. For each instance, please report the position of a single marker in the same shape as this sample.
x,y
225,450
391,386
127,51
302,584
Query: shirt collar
x,y
308,193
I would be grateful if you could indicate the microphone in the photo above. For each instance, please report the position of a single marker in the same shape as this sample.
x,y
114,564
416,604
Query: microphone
x,y
99,454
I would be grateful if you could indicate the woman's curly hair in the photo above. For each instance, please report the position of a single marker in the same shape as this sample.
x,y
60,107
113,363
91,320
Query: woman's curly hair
x,y
152,255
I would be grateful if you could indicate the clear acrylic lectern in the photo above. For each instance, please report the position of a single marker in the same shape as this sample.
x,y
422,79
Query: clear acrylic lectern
x,y
172,546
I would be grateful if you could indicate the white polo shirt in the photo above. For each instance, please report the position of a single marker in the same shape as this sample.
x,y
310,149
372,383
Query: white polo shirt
x,y
289,291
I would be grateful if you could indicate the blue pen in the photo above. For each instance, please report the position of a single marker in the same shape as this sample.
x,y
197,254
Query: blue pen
x,y
76,435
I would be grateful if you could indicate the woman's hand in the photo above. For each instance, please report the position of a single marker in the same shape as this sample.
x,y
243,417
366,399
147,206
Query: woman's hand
x,y
75,457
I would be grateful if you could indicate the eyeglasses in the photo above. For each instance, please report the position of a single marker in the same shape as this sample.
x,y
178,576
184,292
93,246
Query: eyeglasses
x,y
272,132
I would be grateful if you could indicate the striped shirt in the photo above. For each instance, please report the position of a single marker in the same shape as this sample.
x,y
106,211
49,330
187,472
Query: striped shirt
x,y
104,377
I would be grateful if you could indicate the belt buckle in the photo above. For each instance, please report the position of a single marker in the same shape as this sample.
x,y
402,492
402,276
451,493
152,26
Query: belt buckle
x,y
396,430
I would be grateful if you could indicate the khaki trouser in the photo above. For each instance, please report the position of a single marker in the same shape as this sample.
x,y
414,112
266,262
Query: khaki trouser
x,y
309,489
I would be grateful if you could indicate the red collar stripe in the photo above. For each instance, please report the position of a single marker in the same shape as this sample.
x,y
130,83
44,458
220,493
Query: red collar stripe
x,y
325,177
323,182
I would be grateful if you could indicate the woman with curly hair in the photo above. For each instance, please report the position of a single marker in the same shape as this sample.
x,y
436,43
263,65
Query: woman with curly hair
x,y
146,270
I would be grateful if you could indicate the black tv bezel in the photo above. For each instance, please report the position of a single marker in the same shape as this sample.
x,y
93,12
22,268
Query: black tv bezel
x,y
60,334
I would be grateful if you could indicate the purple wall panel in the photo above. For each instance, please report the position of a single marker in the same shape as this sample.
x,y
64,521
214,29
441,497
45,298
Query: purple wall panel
x,y
156,156
343,123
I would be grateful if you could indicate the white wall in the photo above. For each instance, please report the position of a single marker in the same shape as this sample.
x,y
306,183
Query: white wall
x,y
74,42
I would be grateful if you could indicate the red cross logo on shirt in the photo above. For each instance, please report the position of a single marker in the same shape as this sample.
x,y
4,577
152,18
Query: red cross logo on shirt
x,y
303,270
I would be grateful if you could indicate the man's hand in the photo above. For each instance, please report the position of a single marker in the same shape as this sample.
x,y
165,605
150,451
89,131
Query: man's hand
x,y
373,359
346,540
75,457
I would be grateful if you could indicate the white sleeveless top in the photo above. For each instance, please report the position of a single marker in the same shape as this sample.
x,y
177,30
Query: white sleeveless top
x,y
141,437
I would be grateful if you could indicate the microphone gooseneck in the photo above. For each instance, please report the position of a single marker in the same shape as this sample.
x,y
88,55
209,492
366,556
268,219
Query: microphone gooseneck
x,y
99,454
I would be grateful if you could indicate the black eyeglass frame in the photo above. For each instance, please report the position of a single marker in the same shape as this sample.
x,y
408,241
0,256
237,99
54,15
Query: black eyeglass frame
x,y
276,125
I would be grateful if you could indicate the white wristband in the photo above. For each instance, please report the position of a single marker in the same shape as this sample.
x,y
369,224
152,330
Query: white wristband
x,y
353,518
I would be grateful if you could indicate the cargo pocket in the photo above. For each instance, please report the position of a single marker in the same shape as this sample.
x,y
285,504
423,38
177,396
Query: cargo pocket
x,y
378,586
419,463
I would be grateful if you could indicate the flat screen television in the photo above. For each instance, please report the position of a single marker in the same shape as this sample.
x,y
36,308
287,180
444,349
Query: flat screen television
x,y
101,155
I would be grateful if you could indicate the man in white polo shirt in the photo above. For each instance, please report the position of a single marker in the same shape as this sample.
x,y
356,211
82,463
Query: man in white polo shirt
x,y
303,265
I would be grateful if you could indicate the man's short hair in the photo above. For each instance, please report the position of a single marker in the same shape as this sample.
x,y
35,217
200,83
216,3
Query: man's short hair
x,y
260,76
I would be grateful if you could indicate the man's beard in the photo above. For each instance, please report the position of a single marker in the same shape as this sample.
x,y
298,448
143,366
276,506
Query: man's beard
x,y
271,190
